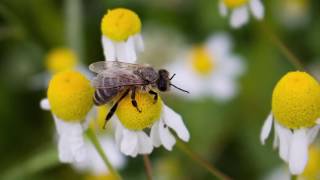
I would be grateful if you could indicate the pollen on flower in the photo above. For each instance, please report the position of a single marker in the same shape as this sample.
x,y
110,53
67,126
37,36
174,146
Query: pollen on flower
x,y
234,3
120,23
70,95
60,59
312,170
201,61
296,100
134,120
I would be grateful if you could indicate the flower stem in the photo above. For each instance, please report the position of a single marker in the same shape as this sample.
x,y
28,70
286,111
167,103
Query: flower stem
x,y
93,138
147,166
294,177
202,162
296,62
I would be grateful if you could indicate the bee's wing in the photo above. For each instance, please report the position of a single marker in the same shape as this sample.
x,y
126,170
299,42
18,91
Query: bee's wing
x,y
116,78
101,66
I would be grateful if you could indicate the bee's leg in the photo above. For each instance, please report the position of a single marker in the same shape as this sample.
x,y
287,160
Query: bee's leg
x,y
155,98
114,108
133,99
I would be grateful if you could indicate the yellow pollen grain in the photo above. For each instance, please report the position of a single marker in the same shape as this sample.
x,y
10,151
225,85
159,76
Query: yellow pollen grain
x,y
201,61
234,3
70,96
120,23
134,120
60,59
312,170
296,100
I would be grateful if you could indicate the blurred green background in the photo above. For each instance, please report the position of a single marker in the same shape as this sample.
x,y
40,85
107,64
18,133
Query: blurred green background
x,y
227,135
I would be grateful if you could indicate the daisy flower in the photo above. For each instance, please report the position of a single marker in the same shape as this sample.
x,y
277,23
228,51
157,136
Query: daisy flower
x,y
132,127
70,101
121,35
295,114
209,70
240,10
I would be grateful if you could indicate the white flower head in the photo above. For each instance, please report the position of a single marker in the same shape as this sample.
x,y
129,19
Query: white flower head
x,y
121,37
240,10
295,111
209,70
133,134
70,101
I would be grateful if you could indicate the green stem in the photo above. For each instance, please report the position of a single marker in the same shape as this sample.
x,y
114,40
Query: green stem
x,y
202,162
296,62
147,166
74,33
294,177
93,138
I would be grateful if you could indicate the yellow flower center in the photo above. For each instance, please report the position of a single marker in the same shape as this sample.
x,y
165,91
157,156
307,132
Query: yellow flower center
x,y
99,121
70,95
118,24
296,100
60,59
312,170
234,3
134,120
201,61
108,176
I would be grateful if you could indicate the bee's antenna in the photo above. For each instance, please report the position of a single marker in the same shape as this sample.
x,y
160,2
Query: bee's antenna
x,y
172,76
179,88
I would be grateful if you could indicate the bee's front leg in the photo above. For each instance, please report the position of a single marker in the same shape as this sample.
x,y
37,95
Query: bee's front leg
x,y
133,99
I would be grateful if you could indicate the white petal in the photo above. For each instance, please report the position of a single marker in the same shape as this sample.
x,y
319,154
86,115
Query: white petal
x,y
91,115
155,137
129,142
118,134
239,17
67,127
44,104
131,52
108,49
222,8
167,139
71,148
64,151
219,45
285,137
231,66
223,88
121,51
145,143
298,152
312,133
138,40
257,8
174,121
275,138
266,129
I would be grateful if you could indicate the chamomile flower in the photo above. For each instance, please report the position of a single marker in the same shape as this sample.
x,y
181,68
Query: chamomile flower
x,y
132,126
240,10
121,37
70,101
209,70
295,111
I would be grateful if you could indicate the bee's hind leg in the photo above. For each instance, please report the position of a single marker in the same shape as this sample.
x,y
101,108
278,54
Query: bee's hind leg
x,y
133,99
114,108
155,97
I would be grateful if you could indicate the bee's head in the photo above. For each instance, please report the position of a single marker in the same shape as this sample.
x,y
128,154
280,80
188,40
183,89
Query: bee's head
x,y
163,81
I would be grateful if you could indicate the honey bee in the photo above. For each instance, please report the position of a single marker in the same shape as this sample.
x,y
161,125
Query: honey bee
x,y
119,78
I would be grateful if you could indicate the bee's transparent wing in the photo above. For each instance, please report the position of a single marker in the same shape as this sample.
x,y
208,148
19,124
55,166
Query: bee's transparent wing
x,y
116,78
102,66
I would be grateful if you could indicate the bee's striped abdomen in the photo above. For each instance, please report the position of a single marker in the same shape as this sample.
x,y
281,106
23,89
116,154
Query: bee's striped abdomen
x,y
104,95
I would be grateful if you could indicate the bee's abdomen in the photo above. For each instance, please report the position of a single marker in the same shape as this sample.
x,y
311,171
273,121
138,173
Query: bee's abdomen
x,y
103,96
